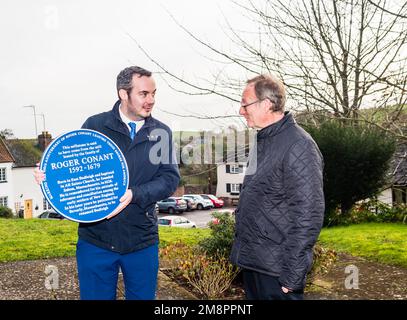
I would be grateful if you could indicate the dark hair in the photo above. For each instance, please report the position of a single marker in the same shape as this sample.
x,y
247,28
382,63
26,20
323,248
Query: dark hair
x,y
125,77
270,87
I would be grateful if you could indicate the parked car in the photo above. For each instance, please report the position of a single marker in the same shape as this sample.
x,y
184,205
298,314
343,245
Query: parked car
x,y
191,203
201,203
172,205
217,203
176,221
51,214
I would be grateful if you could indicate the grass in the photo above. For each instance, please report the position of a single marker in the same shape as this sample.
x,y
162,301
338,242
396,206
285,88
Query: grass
x,y
39,239
381,242
42,239
36,239
187,236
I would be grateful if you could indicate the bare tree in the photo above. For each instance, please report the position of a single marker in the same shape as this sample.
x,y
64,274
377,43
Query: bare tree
x,y
6,134
386,10
339,56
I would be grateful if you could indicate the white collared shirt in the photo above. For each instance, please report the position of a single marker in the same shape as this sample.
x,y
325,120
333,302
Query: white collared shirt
x,y
126,120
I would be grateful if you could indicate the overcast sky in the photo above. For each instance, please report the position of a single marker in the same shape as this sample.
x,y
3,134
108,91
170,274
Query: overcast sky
x,y
64,56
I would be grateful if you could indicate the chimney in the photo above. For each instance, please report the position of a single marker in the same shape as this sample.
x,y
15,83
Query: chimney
x,y
44,139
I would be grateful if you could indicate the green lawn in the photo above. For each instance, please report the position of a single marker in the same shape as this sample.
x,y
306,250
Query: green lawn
x,y
381,242
38,239
188,236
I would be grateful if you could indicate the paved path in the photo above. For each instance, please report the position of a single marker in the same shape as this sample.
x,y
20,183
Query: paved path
x,y
34,280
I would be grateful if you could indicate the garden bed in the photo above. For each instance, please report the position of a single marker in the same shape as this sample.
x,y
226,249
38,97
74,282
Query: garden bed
x,y
235,291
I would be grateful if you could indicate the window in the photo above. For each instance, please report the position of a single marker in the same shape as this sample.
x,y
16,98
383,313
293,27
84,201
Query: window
x,y
3,201
235,187
164,222
3,176
55,215
46,205
234,168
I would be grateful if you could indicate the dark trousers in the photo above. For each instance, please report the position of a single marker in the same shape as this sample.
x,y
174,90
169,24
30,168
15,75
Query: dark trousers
x,y
260,286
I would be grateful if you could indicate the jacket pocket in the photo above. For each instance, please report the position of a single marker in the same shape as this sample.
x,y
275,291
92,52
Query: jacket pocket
x,y
151,215
268,229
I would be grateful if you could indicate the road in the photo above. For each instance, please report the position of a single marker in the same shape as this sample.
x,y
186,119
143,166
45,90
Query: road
x,y
200,217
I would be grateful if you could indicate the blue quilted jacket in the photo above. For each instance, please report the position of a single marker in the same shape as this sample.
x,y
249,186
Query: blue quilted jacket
x,y
281,206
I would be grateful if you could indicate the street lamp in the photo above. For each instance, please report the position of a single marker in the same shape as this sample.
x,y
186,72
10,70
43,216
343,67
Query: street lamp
x,y
35,118
43,120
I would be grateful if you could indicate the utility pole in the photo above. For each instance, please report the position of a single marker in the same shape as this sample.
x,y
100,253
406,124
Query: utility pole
x,y
43,120
35,118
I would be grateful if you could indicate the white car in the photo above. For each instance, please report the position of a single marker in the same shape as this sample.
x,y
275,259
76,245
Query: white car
x,y
201,203
176,221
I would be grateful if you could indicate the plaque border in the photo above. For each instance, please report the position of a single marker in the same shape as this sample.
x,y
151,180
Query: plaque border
x,y
47,151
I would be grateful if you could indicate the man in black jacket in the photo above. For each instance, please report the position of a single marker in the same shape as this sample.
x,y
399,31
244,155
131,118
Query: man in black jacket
x,y
128,239
281,206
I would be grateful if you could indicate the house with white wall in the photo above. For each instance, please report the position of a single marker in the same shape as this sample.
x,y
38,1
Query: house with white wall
x,y
6,181
230,177
396,192
18,189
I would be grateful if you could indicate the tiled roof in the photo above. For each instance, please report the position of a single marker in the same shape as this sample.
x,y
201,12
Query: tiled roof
x,y
5,155
25,152
399,165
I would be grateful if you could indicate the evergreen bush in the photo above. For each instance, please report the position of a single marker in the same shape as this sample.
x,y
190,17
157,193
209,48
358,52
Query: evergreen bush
x,y
5,212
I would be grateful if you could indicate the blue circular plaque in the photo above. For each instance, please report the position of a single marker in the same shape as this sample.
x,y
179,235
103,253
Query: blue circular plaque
x,y
86,174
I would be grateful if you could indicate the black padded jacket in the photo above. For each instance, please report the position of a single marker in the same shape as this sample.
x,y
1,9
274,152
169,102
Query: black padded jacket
x,y
281,206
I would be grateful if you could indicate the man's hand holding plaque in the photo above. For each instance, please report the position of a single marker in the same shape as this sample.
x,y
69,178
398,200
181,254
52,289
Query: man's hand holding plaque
x,y
124,202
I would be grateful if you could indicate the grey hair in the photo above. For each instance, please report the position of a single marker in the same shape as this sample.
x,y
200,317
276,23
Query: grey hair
x,y
125,77
272,88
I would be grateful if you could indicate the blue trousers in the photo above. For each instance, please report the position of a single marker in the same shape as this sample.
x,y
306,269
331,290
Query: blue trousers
x,y
98,271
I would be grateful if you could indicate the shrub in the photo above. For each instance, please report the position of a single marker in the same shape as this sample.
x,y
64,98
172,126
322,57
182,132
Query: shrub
x,y
173,254
386,213
323,260
220,241
211,276
356,159
375,211
5,212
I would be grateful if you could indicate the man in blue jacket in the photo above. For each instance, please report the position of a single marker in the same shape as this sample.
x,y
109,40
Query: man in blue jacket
x,y
128,238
